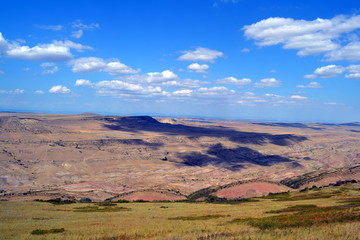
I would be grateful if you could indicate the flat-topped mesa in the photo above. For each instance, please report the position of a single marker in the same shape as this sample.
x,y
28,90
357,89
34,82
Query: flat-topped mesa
x,y
139,120
133,121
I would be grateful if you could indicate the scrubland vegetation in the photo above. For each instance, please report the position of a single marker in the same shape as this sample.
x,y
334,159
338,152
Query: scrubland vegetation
x,y
326,213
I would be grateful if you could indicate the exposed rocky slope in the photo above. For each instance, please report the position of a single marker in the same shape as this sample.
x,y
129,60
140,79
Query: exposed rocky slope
x,y
101,157
322,178
241,189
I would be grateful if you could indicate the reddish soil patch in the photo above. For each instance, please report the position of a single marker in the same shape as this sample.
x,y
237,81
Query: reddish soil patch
x,y
253,189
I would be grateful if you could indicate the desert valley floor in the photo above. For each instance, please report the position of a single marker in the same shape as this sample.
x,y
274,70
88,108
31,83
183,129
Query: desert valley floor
x,y
140,157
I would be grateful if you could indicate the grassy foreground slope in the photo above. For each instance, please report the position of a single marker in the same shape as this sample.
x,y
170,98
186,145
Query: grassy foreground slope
x,y
326,213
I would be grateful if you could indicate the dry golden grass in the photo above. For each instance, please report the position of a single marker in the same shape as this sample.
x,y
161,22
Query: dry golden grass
x,y
172,220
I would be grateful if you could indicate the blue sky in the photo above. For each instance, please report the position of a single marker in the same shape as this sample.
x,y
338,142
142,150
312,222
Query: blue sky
x,y
229,59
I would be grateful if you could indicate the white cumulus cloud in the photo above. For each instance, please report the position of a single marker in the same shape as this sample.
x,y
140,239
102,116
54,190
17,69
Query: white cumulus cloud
x,y
215,91
350,52
203,94
310,85
181,83
77,34
353,72
50,27
118,68
88,65
49,68
77,24
328,71
165,78
268,82
353,75
81,27
234,81
201,54
271,95
82,82
16,91
4,45
152,77
94,64
55,51
43,52
59,89
319,36
117,88
70,44
198,68
182,93
298,97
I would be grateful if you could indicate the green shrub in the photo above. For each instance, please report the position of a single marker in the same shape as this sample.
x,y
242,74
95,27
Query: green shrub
x,y
85,200
46,231
303,196
162,201
311,217
140,201
295,208
277,196
40,218
355,201
215,199
57,201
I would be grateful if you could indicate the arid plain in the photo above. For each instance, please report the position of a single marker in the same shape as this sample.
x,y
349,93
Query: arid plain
x,y
139,157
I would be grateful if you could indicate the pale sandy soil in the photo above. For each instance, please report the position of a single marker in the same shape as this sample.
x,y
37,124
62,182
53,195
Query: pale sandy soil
x,y
103,156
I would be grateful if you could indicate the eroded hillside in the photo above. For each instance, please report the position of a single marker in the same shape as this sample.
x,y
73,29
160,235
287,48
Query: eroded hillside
x,y
101,157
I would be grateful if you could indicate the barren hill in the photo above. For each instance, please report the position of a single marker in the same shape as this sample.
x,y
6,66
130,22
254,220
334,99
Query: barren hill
x,y
89,155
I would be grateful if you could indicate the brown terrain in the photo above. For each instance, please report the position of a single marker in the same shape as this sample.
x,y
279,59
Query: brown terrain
x,y
128,157
250,189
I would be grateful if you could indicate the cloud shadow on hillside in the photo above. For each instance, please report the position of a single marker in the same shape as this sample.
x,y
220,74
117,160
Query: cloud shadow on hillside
x,y
230,158
145,123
